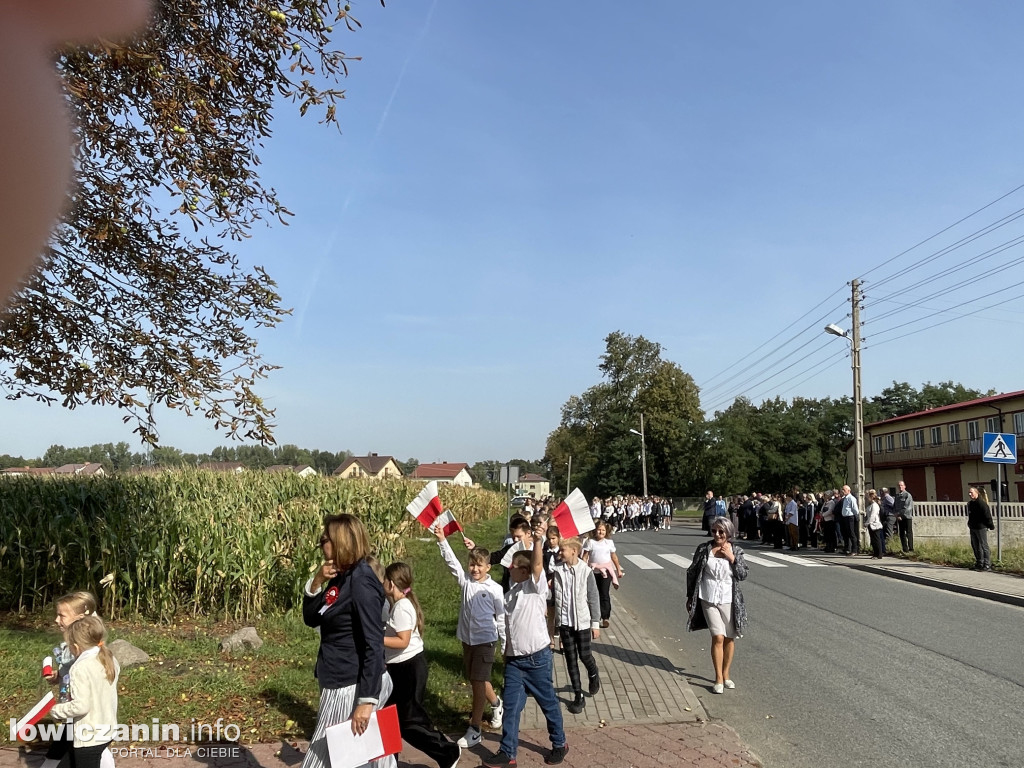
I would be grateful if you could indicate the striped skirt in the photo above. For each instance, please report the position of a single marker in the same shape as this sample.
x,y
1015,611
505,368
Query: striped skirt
x,y
336,705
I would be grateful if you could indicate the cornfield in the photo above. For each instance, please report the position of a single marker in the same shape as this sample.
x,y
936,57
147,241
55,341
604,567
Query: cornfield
x,y
192,542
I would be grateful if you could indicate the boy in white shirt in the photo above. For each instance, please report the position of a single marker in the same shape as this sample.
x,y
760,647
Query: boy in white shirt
x,y
528,655
481,622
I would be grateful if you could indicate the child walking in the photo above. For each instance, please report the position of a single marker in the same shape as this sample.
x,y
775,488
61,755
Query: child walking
x,y
407,665
481,622
528,657
577,615
70,609
93,689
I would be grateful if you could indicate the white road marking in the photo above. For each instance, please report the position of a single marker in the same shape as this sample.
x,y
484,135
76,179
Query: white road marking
x,y
796,560
758,561
644,563
682,562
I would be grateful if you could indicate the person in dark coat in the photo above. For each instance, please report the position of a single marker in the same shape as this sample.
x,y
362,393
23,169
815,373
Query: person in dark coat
x,y
979,523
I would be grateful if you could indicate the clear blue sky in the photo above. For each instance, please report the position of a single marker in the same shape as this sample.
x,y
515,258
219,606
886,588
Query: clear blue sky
x,y
514,181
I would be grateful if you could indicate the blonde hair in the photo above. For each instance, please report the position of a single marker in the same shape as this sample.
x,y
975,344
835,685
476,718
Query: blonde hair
x,y
83,603
349,541
377,567
400,575
89,632
572,542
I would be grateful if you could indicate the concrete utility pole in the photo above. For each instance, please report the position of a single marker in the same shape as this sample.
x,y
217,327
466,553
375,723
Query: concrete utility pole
x,y
858,401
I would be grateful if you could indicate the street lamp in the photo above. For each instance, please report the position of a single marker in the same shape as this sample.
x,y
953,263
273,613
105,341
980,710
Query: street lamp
x,y
643,450
858,405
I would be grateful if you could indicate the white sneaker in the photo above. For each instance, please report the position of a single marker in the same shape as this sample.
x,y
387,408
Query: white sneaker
x,y
497,713
730,684
471,739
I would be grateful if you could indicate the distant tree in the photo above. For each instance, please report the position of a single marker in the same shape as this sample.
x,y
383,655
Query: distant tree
x,y
7,460
408,465
142,300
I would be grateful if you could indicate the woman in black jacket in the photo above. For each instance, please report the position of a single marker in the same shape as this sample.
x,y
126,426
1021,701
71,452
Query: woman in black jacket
x,y
345,601
979,522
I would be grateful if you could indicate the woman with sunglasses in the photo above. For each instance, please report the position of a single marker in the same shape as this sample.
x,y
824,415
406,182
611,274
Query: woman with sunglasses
x,y
345,601
712,579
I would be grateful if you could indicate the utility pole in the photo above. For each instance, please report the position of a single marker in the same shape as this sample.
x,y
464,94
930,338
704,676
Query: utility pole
x,y
568,478
858,400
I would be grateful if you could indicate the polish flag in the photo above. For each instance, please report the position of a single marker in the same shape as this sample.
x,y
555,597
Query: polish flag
x,y
448,523
37,713
48,666
572,516
507,559
382,737
426,507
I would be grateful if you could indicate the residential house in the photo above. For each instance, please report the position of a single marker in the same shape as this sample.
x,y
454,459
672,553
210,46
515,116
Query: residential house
x,y
372,466
938,452
455,473
27,471
303,470
90,469
234,467
534,485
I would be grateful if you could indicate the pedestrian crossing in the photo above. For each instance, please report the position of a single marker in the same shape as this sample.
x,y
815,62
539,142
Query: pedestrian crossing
x,y
762,559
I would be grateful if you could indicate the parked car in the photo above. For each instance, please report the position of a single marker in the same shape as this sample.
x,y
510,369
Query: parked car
x,y
520,501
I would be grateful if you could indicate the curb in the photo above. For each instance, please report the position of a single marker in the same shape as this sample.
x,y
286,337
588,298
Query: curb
x,y
948,586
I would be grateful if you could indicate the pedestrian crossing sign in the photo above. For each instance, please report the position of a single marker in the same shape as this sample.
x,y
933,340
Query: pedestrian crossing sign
x,y
999,447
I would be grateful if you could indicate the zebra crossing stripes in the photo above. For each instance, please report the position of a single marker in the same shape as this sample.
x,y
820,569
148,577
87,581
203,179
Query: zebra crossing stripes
x,y
643,563
760,561
682,562
797,560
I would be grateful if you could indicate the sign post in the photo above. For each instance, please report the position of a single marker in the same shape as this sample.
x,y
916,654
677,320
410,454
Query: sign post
x,y
999,448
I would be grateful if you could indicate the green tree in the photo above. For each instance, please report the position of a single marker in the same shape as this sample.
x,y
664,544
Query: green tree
x,y
142,300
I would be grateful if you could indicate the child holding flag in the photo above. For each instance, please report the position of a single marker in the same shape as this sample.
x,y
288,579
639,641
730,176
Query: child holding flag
x,y
70,609
93,704
407,665
481,622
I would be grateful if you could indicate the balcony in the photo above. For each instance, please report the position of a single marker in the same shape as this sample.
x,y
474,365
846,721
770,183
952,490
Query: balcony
x,y
962,450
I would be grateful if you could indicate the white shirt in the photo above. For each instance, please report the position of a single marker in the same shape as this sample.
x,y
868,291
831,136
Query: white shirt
x,y
716,581
93,705
526,624
481,611
401,618
874,521
600,550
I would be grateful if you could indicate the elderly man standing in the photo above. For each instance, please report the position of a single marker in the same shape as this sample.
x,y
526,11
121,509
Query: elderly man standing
x,y
849,514
904,509
888,517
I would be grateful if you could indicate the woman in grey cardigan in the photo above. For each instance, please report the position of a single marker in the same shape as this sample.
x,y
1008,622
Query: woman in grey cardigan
x,y
713,578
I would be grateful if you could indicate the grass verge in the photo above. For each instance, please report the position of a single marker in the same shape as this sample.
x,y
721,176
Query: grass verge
x,y
270,693
960,555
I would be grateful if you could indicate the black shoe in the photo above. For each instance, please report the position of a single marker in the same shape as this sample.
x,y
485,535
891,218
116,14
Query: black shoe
x,y
576,705
595,685
555,756
499,760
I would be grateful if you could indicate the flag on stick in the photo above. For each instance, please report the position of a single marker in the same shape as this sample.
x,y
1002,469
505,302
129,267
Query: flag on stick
x,y
426,507
448,523
517,547
37,713
48,666
382,737
572,516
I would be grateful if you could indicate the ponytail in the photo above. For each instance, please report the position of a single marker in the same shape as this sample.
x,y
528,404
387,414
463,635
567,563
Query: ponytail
x,y
400,575
89,632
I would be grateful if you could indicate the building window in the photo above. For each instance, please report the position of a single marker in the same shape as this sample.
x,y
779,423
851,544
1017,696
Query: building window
x,y
954,433
992,424
905,440
1018,423
936,435
890,443
919,438
972,431
878,445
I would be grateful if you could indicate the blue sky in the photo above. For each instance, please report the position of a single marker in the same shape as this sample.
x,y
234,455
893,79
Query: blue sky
x,y
514,181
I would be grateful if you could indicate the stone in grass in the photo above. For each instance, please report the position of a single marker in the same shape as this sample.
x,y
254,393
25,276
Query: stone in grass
x,y
128,655
244,638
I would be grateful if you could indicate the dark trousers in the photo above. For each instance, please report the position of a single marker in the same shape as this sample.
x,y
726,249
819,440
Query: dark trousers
x,y
604,591
87,757
805,533
888,523
576,648
906,528
830,535
778,533
851,543
409,679
979,543
877,546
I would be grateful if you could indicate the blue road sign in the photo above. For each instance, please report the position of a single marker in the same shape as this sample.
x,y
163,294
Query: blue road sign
x,y
999,447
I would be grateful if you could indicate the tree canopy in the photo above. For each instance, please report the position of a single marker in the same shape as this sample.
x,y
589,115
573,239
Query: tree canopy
x,y
142,300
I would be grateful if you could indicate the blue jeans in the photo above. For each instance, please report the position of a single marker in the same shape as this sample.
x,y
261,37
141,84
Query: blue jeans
x,y
529,674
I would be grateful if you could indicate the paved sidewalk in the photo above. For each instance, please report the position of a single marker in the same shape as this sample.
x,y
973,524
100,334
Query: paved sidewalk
x,y
645,716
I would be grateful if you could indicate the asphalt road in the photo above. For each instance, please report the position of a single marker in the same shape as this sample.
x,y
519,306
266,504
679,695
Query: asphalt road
x,y
841,668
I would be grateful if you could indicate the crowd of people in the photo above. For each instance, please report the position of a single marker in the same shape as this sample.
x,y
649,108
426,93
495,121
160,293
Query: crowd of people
x,y
829,520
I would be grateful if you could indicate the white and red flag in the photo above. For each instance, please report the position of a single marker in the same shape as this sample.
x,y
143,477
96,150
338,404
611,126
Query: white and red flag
x,y
448,522
37,713
382,737
572,516
426,507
